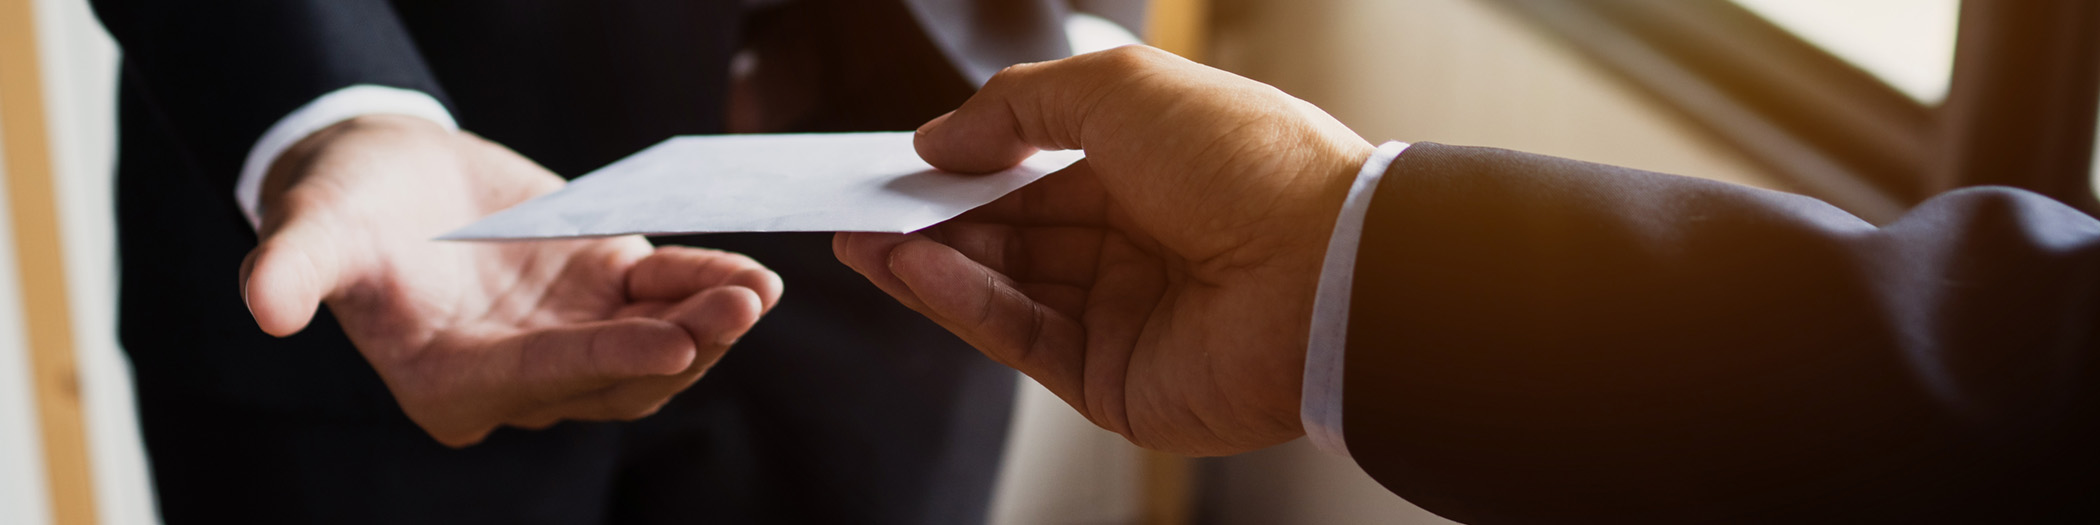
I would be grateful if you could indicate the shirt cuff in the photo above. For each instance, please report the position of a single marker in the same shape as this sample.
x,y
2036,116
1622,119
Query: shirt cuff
x,y
328,110
1320,403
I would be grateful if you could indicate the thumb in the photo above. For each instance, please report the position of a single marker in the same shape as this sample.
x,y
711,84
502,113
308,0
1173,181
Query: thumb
x,y
1040,106
287,275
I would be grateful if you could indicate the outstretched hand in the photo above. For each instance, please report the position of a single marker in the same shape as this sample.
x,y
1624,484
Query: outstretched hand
x,y
472,336
1163,286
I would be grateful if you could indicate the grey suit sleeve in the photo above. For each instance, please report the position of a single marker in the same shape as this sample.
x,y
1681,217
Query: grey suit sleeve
x,y
1542,340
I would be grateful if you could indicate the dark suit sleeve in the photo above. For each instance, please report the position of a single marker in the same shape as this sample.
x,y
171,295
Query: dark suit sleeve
x,y
218,73
1542,340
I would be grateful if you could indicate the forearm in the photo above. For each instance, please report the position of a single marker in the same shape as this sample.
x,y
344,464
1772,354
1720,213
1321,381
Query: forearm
x,y
1538,339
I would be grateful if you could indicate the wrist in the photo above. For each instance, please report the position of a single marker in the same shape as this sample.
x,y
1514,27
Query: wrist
x,y
306,149
1345,165
322,112
1333,175
1320,401
293,167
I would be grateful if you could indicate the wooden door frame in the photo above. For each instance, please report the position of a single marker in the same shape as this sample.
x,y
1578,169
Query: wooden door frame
x,y
40,263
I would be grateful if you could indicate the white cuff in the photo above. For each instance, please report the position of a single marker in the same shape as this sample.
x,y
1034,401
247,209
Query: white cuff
x,y
1320,403
328,110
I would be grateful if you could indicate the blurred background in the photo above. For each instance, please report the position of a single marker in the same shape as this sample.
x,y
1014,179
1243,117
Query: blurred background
x,y
1847,100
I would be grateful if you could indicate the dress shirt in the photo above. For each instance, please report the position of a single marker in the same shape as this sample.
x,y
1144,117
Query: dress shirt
x,y
1320,402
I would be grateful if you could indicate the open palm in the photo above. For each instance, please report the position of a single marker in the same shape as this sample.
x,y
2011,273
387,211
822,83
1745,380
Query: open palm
x,y
472,336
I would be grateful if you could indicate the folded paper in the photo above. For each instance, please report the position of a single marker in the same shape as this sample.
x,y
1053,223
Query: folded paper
x,y
816,182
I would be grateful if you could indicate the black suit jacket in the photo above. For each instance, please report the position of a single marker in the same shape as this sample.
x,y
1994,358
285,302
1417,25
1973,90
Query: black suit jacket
x,y
244,427
1542,340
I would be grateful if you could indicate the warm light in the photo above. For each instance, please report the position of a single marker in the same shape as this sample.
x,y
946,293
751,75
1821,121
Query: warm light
x,y
1907,43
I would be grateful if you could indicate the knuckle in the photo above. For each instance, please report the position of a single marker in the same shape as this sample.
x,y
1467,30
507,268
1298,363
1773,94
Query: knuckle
x,y
742,261
1008,76
757,279
686,251
1133,58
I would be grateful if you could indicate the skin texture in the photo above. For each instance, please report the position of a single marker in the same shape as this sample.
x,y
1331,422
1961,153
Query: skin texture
x,y
1163,286
473,336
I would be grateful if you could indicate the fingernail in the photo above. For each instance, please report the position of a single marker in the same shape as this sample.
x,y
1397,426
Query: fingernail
x,y
935,123
727,301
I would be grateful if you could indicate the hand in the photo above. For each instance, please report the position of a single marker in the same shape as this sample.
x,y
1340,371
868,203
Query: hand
x,y
1163,286
472,336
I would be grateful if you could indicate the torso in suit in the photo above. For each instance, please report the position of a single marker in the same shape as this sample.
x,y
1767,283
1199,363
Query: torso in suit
x,y
1541,340
841,406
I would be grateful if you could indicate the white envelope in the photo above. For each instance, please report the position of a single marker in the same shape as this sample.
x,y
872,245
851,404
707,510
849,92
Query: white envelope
x,y
819,182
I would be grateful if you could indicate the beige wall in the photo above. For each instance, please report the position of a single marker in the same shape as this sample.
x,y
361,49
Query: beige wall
x,y
1461,72
1450,71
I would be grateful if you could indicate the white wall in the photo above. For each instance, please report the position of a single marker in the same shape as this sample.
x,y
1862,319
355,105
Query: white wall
x,y
1061,469
1462,72
1907,43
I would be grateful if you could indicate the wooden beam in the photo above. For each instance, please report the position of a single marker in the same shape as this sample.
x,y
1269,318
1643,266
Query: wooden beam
x,y
1181,27
1169,497
40,258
